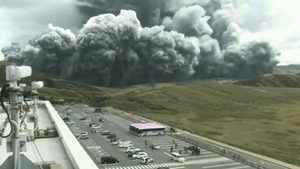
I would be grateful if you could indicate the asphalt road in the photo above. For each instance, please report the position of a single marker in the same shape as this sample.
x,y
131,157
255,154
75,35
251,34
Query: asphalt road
x,y
98,145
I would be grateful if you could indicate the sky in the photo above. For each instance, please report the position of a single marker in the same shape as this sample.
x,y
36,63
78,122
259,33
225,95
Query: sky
x,y
276,21
21,20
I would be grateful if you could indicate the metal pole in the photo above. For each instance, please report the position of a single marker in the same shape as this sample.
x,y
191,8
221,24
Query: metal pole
x,y
13,98
35,102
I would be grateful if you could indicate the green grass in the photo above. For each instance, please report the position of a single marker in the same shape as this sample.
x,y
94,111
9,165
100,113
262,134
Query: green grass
x,y
274,80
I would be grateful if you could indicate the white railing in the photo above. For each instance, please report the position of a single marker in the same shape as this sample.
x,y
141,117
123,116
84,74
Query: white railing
x,y
78,156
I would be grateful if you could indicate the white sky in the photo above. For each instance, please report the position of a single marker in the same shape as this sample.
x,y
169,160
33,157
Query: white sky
x,y
276,21
21,20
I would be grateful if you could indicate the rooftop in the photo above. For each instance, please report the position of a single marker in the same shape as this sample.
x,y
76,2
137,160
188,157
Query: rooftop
x,y
63,151
144,126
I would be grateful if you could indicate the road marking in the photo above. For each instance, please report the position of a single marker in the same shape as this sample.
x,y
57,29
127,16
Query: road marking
x,y
220,165
207,161
179,167
240,167
209,156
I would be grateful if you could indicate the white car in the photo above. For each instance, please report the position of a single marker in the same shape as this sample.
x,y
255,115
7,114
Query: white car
x,y
70,123
125,144
177,157
140,155
146,160
133,150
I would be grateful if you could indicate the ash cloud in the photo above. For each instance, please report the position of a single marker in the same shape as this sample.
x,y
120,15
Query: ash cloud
x,y
189,40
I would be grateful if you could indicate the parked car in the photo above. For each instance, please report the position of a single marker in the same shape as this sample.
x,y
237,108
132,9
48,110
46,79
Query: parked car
x,y
163,168
93,124
84,133
146,160
125,145
112,136
115,142
83,118
140,155
133,150
66,119
106,133
96,130
70,123
84,136
154,147
108,160
177,157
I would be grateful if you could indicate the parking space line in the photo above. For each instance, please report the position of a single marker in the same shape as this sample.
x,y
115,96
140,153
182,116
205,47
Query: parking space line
x,y
221,165
179,167
239,167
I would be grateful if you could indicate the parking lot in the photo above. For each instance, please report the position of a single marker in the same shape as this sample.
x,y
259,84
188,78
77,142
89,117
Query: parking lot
x,y
96,130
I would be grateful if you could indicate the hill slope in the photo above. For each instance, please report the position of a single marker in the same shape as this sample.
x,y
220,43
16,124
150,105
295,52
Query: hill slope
x,y
274,80
287,69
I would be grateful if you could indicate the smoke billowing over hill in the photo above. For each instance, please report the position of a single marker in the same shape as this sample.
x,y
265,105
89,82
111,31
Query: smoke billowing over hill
x,y
159,41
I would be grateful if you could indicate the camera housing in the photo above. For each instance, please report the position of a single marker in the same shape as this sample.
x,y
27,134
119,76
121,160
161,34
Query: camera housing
x,y
16,73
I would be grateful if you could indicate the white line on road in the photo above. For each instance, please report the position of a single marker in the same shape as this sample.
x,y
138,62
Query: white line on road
x,y
240,167
180,167
220,165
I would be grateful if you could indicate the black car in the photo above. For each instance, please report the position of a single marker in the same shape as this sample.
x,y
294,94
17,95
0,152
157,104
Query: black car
x,y
66,119
106,133
112,136
113,139
109,160
163,168
83,118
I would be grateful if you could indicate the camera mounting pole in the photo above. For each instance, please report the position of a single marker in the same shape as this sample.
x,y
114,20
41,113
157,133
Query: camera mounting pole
x,y
13,75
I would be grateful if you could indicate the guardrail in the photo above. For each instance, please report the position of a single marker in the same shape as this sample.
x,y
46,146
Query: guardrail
x,y
78,156
245,157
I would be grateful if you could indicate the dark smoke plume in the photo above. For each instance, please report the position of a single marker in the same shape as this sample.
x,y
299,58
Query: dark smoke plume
x,y
191,39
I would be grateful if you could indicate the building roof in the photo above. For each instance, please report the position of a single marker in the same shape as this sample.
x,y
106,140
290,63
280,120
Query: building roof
x,y
147,126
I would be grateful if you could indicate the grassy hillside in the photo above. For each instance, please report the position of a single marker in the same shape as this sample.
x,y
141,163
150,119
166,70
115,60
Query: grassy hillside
x,y
274,80
287,69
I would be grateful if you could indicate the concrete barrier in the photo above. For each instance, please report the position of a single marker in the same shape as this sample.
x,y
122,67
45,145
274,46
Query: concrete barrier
x,y
78,156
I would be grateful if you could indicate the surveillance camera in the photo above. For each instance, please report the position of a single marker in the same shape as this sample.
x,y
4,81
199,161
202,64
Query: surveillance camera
x,y
22,85
1,56
37,84
15,73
